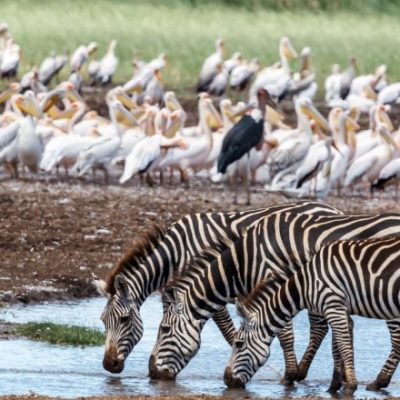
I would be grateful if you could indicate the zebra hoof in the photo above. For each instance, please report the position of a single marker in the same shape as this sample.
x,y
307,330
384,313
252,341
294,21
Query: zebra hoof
x,y
289,378
378,384
349,389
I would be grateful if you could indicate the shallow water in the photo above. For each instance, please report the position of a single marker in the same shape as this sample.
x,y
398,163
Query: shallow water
x,y
28,366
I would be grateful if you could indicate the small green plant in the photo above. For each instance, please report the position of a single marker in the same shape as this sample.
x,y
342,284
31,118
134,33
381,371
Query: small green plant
x,y
60,334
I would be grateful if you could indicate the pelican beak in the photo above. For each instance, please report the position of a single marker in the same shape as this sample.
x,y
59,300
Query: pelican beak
x,y
273,116
213,118
289,51
385,133
248,107
352,125
384,118
73,95
51,101
311,112
31,107
126,100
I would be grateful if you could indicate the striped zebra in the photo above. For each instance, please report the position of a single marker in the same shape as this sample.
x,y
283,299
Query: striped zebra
x,y
153,260
279,245
343,278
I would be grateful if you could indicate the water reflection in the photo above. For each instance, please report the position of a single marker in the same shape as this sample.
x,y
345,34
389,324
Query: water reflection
x,y
77,371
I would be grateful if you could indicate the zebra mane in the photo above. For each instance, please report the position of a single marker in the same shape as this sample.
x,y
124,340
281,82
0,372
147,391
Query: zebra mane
x,y
264,287
140,248
196,265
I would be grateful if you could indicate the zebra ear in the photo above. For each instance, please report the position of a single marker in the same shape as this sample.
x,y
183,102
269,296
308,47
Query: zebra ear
x,y
122,287
242,310
170,295
100,285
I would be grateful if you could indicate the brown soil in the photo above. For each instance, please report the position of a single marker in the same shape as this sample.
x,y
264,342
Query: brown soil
x,y
53,233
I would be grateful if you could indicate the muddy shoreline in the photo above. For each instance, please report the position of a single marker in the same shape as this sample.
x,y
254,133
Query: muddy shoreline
x,y
55,233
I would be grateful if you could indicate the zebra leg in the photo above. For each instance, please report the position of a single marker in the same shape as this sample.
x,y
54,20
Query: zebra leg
x,y
339,322
336,382
286,339
385,375
225,324
318,330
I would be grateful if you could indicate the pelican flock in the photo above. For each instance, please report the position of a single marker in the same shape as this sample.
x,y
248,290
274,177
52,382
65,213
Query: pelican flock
x,y
47,127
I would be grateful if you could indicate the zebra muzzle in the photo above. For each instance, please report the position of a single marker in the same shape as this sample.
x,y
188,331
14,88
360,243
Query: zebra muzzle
x,y
231,381
163,374
113,363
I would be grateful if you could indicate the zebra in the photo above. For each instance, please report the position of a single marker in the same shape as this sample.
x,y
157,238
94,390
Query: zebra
x,y
279,244
359,277
153,259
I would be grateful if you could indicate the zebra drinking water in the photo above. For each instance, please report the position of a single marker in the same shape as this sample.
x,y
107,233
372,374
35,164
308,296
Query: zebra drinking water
x,y
346,277
280,244
156,256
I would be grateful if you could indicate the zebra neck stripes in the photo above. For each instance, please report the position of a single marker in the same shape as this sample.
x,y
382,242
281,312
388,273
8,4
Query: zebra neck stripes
x,y
346,277
279,245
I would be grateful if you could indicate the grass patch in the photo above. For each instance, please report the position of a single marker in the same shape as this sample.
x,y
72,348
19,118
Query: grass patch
x,y
60,334
186,31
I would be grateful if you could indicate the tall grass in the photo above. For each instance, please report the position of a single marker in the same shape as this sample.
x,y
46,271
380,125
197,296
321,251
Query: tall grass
x,y
187,33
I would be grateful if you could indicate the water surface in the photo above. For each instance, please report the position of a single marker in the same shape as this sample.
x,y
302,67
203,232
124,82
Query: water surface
x,y
27,366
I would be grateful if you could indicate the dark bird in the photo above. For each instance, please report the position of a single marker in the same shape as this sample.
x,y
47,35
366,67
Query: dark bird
x,y
244,135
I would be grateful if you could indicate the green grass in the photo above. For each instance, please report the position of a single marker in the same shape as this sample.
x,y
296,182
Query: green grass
x,y
186,32
60,334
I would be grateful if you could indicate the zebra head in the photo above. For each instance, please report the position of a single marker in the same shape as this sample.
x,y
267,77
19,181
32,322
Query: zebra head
x,y
122,321
249,352
178,338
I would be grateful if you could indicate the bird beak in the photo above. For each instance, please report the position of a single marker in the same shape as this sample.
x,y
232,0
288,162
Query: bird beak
x,y
352,125
243,111
273,116
31,107
73,95
388,138
126,100
50,102
213,118
384,118
289,51
310,110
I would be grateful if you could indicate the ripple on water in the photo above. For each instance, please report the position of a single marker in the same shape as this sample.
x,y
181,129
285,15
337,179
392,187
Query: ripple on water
x,y
71,371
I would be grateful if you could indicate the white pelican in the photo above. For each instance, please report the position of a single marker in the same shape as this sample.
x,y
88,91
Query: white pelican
x,y
30,145
108,65
10,59
377,81
102,151
347,76
8,147
197,147
220,82
290,152
81,55
368,166
210,66
389,174
390,94
51,66
232,62
303,83
242,74
154,89
275,79
332,84
318,154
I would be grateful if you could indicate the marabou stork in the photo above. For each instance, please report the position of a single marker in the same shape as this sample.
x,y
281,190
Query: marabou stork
x,y
247,133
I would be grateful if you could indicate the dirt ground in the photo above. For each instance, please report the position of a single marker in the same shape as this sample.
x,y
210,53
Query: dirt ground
x,y
54,233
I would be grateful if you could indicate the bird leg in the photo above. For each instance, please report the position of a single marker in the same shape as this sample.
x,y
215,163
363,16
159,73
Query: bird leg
x,y
247,180
235,198
149,179
161,177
